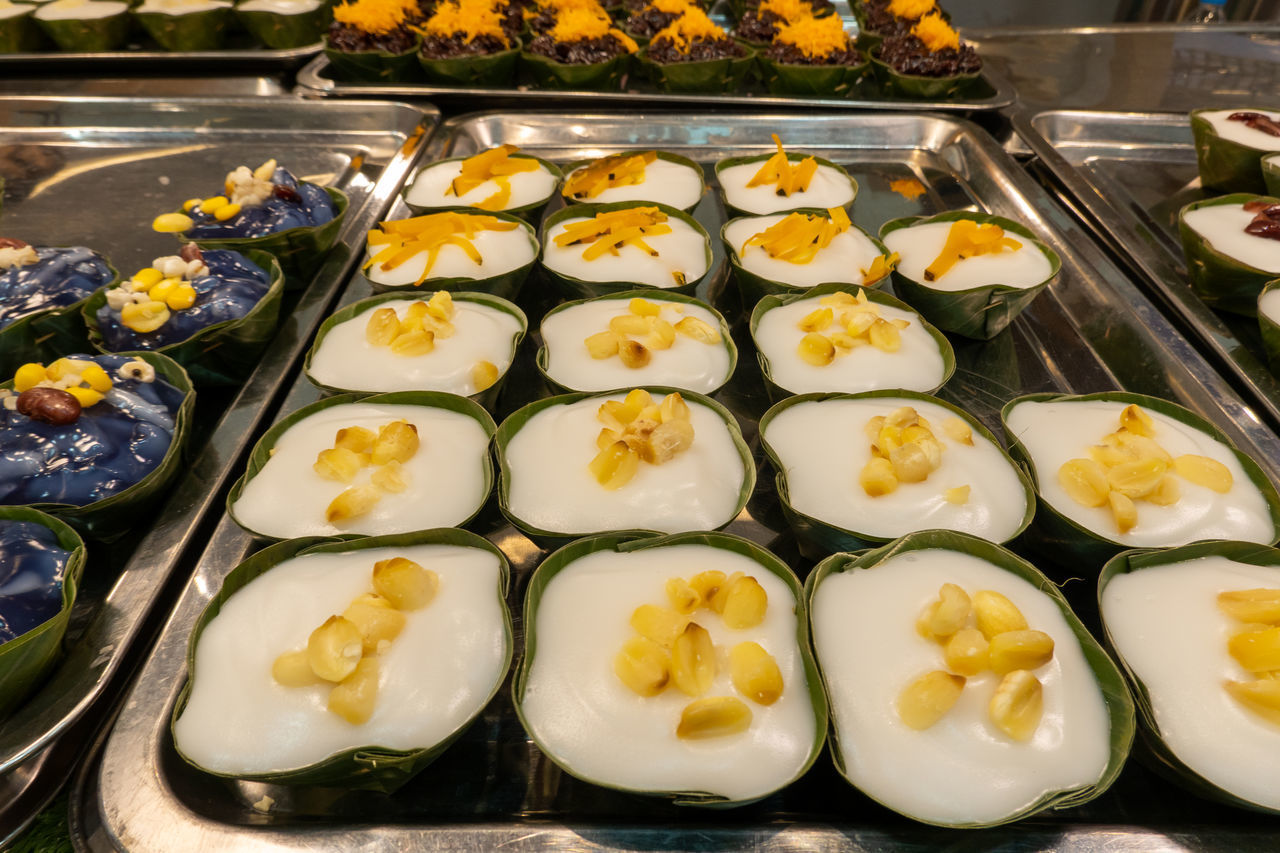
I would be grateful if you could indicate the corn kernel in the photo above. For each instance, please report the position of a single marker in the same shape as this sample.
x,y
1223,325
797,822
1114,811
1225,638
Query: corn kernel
x,y
1166,493
816,320
1204,471
390,478
644,308
714,716
958,430
659,624
668,440
1019,650
837,299
707,584
614,466
889,440
816,349
860,323
1136,421
1256,651
1123,511
755,673
683,597
721,595
661,334
377,620
1262,697
405,583
1084,481
293,670
413,316
634,354
910,463
884,336
96,378
148,276
602,345
966,652
144,317
692,327
1137,446
607,437
86,397
171,223
189,204
338,464
228,212
354,699
412,344
693,660
383,327
440,305
925,701
745,604
266,171
1017,705
483,375
673,408
397,440
352,503
643,665
334,649
29,376
181,297
1251,605
65,367
356,438
951,613
845,341
877,477
1138,478
958,495
628,324
995,614
214,204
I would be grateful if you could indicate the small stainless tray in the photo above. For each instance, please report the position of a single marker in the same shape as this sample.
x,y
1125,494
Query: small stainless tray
x,y
115,164
1131,173
149,57
1091,331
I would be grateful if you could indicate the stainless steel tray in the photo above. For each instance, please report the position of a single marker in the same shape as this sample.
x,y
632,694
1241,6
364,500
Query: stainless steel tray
x,y
1091,331
148,57
115,163
1130,173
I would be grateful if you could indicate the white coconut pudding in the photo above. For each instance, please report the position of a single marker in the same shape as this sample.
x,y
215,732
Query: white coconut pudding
x,y
279,7
614,343
955,479
960,255
80,10
635,176
1269,305
1242,131
696,727
13,10
181,7
804,250
458,346
1223,227
784,183
891,347
250,712
1185,630
449,244
563,476
637,244
971,758
371,469
1136,476
495,179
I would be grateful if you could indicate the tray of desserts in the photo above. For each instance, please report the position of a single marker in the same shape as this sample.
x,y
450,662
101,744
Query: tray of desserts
x,y
1132,174
166,778
94,173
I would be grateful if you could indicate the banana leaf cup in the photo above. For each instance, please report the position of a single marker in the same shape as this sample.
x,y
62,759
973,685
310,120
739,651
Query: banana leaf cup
x,y
492,69
800,660
28,658
488,397
819,538
824,81
895,84
554,538
204,29
793,157
223,353
1111,684
530,212
644,376
88,35
1269,322
19,32
1073,543
547,73
371,767
727,74
1224,164
376,66
1153,749
110,518
1220,280
504,284
979,312
286,30
665,156
778,393
572,287
1271,174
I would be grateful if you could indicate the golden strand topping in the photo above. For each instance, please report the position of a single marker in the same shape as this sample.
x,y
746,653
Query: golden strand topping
x,y
638,430
671,7
580,24
342,653
609,231
968,239
908,188
691,27
790,10
905,449
1130,466
797,238
633,336
374,16
911,10
400,240
470,18
146,301
616,170
936,33
1255,646
843,323
356,448
495,165
814,37
778,171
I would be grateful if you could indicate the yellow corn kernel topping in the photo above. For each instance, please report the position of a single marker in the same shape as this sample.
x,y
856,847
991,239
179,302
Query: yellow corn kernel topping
x,y
616,170
1256,651
958,495
816,349
660,624
334,649
968,239
28,376
396,441
483,375
645,432
354,698
1019,650
171,223
693,660
948,614
707,584
602,345
1017,705
339,464
1261,697
714,716
1204,471
292,669
755,673
907,444
1123,511
352,503
376,618
683,597
356,438
382,328
86,397
404,583
615,465
692,327
1251,605
1084,481
966,652
779,172
144,317
609,232
399,241
644,666
495,165
1133,419
995,614
721,595
926,700
390,477
745,603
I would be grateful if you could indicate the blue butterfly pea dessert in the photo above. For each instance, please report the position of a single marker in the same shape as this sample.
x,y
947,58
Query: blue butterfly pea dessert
x,y
264,201
35,279
32,565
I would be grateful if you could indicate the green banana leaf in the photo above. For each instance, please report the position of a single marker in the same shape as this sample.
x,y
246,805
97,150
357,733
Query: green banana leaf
x,y
1079,546
726,340
506,285
433,399
1271,174
792,157
825,81
555,538
494,69
1120,706
221,354
189,31
110,518
376,66
373,767
530,213
547,73
280,31
895,84
487,398
1218,279
46,334
88,35
979,312
573,287
632,541
1227,166
27,659
570,168
818,538
709,75
300,250
777,393
755,287
20,34
1270,329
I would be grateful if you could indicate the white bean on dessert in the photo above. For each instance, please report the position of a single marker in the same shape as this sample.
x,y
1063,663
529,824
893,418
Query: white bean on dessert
x,y
1222,226
590,721
1166,623
435,675
918,246
664,181
963,768
1239,131
500,252
680,256
847,258
431,187
829,188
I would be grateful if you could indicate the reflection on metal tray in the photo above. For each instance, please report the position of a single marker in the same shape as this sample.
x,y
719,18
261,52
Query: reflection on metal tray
x,y
150,57
1132,173
95,172
1091,331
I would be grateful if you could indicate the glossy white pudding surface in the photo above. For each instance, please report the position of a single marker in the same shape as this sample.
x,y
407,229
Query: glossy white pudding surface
x,y
686,364
682,250
500,252
77,10
13,10
428,189
829,188
181,7
673,184
822,447
916,366
1269,305
436,675
280,7
1166,624
845,259
1222,225
345,359
962,769
1238,131
551,488
288,499
919,245
1055,432
580,711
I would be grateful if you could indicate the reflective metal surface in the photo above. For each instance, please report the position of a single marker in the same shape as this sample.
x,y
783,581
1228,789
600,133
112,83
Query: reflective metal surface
x,y
241,56
119,162
1091,331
